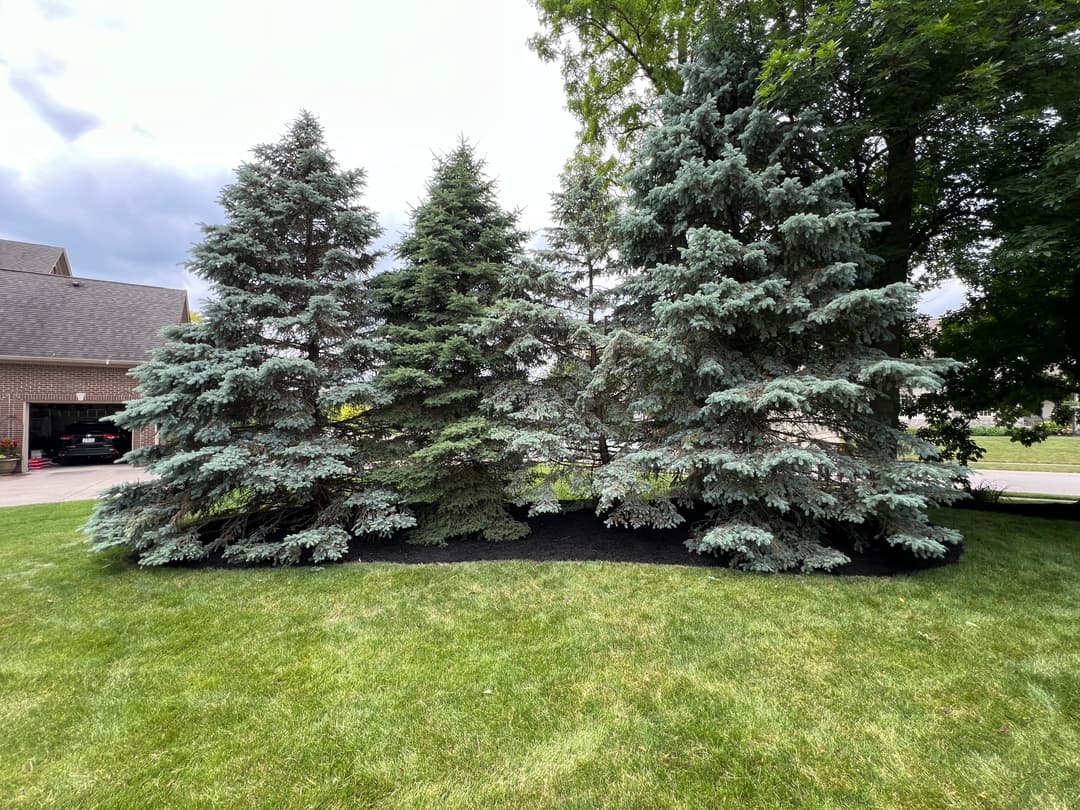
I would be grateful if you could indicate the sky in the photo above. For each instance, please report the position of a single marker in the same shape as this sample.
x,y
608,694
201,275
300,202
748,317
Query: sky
x,y
121,120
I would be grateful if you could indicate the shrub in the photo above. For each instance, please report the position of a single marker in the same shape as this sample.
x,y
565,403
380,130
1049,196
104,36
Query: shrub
x,y
990,430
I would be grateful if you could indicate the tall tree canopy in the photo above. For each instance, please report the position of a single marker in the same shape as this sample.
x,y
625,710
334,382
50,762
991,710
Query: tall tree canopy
x,y
928,106
748,342
1019,336
617,57
244,399
439,449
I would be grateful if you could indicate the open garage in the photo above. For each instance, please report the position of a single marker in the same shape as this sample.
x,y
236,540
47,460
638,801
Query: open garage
x,y
67,349
52,428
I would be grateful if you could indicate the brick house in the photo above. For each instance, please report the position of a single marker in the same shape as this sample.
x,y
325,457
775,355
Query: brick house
x,y
67,343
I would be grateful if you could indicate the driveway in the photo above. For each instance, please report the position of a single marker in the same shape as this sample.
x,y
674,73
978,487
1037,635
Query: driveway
x,y
75,483
1052,483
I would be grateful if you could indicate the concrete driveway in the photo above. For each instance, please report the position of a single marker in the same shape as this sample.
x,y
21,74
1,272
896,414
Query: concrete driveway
x,y
76,483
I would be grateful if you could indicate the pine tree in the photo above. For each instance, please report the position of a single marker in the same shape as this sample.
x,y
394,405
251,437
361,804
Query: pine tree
x,y
250,400
748,344
439,450
554,319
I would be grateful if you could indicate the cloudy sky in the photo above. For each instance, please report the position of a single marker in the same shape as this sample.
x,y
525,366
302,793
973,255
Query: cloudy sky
x,y
122,120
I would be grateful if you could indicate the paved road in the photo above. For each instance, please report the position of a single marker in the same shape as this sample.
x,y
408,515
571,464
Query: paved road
x,y
1055,483
75,483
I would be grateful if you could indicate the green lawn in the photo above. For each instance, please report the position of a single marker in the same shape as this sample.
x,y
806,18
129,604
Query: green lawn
x,y
1056,454
538,685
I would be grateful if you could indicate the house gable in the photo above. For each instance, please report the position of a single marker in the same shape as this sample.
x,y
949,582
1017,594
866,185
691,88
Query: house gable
x,y
27,257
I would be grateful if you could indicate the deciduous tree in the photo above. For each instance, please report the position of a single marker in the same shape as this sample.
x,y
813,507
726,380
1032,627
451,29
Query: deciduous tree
x,y
617,57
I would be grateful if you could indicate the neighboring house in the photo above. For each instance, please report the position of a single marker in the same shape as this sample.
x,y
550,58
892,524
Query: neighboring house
x,y
68,343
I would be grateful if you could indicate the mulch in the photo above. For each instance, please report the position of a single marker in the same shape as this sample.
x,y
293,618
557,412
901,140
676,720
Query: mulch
x,y
579,535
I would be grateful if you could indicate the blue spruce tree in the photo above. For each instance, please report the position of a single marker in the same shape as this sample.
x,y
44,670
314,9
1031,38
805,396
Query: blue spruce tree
x,y
439,449
259,459
553,320
747,345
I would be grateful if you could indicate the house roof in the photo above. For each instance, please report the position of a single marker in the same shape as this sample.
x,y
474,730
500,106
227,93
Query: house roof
x,y
54,316
31,258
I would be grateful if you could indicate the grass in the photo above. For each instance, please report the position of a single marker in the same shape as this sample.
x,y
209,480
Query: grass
x,y
538,685
1056,454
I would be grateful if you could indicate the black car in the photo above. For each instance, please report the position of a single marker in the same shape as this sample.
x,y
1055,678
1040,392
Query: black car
x,y
95,440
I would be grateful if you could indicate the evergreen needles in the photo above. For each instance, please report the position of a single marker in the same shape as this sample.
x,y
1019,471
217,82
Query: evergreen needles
x,y
730,377
747,348
439,450
248,401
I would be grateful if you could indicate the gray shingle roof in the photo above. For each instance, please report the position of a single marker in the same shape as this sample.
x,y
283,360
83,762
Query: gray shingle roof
x,y
31,258
77,318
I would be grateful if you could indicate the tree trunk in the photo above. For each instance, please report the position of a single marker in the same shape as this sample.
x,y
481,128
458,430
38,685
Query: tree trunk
x,y
602,450
894,246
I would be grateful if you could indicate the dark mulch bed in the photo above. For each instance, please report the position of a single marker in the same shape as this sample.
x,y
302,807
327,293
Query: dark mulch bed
x,y
1050,511
579,535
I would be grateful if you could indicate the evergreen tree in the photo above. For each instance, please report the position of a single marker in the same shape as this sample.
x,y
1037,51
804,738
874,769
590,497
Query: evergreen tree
x,y
749,343
554,320
248,400
440,451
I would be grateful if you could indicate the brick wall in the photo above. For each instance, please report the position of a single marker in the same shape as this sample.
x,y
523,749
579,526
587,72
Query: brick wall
x,y
22,383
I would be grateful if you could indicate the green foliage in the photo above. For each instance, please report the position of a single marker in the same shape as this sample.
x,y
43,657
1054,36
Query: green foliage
x,y
945,428
1020,336
941,112
1027,435
437,448
748,341
928,105
553,320
1066,413
617,57
9,448
985,494
989,430
241,397
539,685
953,120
